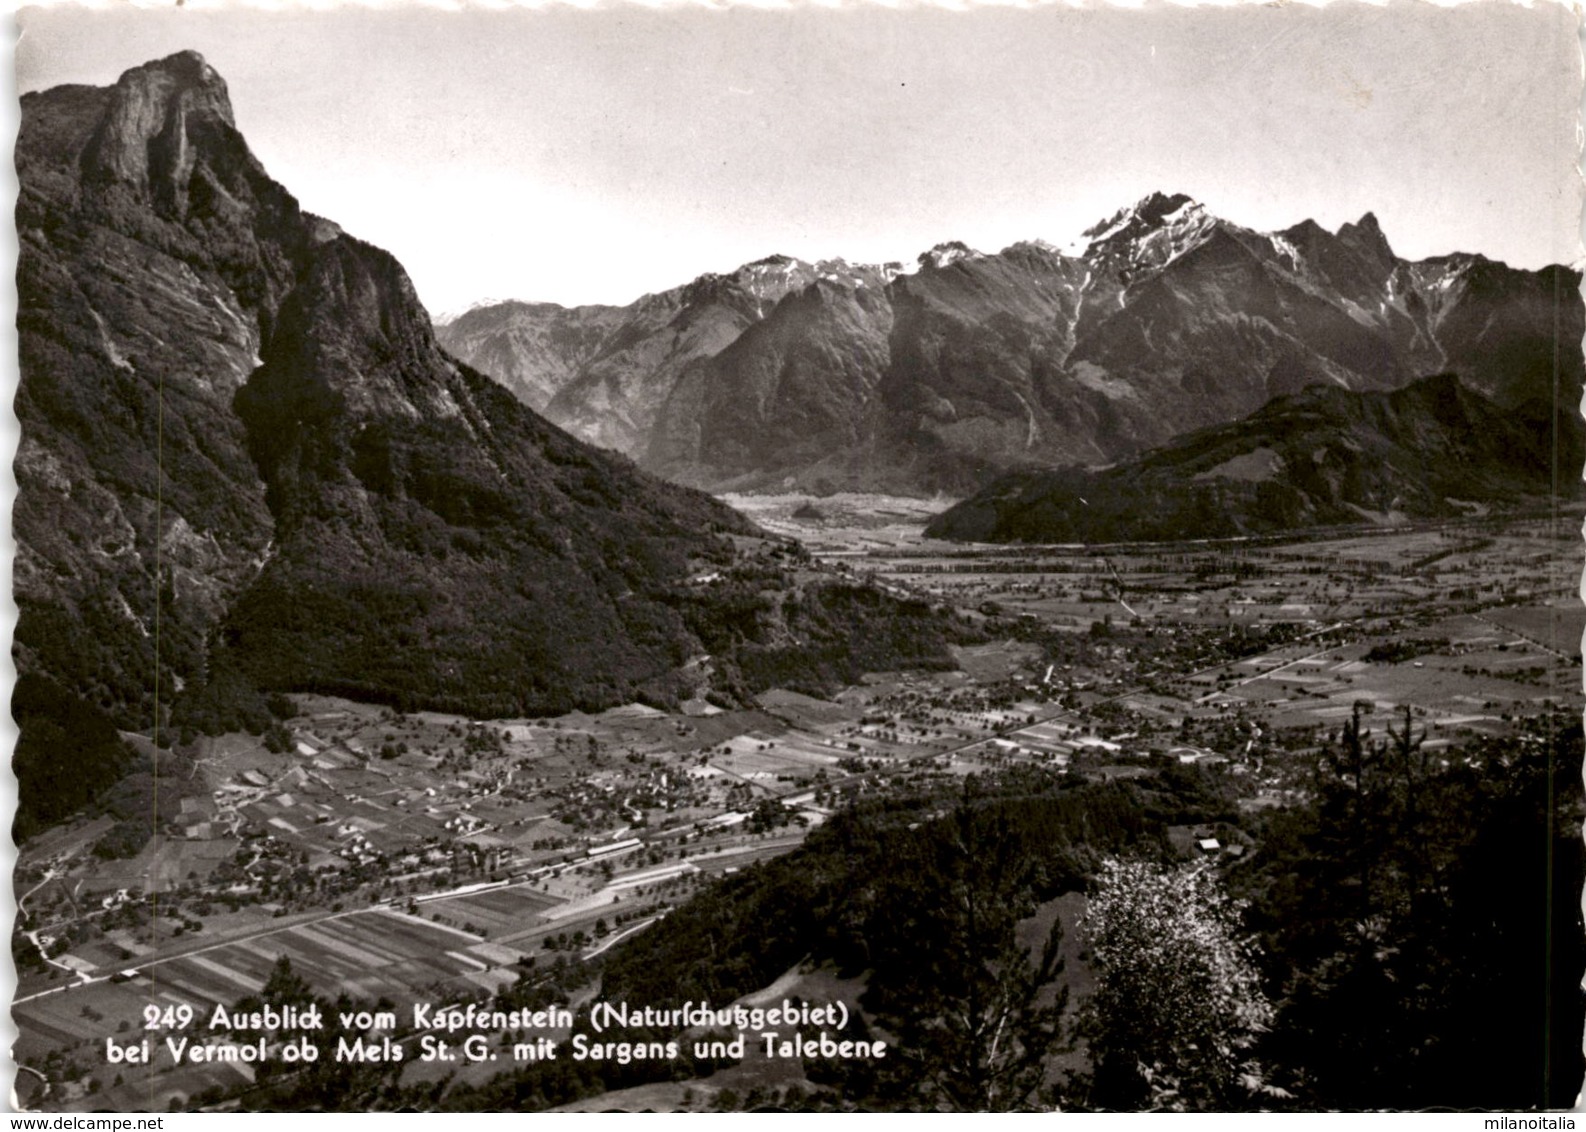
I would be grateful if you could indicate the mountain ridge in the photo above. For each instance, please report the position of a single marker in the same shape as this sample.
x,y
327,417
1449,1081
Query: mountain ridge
x,y
1170,319
1320,457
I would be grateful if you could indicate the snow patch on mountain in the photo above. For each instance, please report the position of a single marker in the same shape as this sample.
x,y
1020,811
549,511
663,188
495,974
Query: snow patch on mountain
x,y
948,253
1150,234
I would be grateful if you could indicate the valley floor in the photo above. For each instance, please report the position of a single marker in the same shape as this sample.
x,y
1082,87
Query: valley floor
x,y
431,858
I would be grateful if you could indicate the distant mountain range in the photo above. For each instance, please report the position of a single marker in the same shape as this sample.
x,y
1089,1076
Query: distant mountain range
x,y
830,376
246,466
1319,457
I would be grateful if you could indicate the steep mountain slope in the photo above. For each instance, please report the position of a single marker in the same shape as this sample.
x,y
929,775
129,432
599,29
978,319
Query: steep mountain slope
x,y
1171,319
615,398
968,383
153,253
1322,456
788,392
247,465
436,540
604,372
534,349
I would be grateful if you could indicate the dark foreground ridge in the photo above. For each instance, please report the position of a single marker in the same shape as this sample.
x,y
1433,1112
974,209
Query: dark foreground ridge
x,y
1320,457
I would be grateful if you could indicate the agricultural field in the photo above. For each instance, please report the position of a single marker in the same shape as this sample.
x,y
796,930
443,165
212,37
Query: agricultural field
x,y
424,856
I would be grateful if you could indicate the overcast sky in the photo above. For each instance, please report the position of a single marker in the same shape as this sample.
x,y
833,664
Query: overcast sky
x,y
591,156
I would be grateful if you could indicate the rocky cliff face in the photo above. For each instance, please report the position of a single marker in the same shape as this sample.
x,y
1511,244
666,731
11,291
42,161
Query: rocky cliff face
x,y
154,253
228,403
246,463
1169,320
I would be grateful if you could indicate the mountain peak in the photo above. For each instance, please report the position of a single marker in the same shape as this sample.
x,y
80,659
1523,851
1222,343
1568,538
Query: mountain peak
x,y
157,114
183,81
185,66
1306,230
1159,205
1150,211
1149,234
1033,245
1365,236
771,267
947,253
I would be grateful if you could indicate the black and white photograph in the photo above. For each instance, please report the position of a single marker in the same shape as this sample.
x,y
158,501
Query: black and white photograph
x,y
798,556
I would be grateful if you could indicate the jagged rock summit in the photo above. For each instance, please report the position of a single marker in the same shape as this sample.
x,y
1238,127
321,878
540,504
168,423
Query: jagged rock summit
x,y
160,125
1149,234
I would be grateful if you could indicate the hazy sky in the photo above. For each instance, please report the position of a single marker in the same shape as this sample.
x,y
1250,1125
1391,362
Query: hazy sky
x,y
592,155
